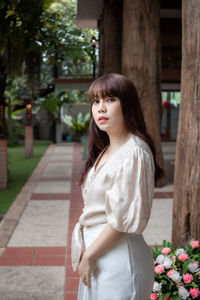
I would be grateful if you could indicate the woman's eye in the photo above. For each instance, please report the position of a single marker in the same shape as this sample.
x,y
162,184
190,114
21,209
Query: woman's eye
x,y
95,101
110,99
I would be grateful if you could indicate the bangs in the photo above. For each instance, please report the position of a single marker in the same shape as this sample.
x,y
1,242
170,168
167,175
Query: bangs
x,y
103,87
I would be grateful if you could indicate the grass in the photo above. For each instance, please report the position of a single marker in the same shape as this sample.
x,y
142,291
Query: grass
x,y
19,170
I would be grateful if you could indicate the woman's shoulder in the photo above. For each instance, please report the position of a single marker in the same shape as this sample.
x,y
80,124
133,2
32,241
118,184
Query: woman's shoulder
x,y
134,150
138,147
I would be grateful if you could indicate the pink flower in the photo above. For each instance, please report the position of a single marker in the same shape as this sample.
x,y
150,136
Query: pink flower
x,y
167,298
194,292
183,257
153,296
174,257
187,278
159,269
195,244
170,273
166,250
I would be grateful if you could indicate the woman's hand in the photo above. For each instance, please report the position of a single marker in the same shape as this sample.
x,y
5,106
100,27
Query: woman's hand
x,y
85,270
105,241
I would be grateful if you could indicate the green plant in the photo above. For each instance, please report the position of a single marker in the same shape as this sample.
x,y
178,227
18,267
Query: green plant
x,y
14,127
79,125
77,96
177,272
15,132
52,103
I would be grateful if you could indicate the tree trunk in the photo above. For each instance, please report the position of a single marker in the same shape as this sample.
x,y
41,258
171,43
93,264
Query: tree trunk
x,y
186,208
3,164
141,61
101,46
110,42
3,131
3,78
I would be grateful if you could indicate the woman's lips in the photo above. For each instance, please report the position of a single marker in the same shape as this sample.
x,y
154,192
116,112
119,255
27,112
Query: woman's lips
x,y
102,119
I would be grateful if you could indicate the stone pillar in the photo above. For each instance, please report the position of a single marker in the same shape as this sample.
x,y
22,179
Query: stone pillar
x,y
141,61
3,164
28,141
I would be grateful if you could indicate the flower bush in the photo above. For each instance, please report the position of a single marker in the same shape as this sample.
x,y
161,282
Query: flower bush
x,y
177,272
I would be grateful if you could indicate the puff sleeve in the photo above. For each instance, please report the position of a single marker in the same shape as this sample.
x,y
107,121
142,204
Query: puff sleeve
x,y
129,198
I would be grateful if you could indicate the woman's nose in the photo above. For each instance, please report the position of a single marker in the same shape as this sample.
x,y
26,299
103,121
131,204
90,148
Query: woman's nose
x,y
102,106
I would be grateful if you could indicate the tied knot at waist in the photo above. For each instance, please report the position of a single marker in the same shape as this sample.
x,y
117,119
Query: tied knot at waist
x,y
78,242
76,246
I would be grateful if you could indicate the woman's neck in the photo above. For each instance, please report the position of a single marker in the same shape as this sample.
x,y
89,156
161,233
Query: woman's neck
x,y
118,140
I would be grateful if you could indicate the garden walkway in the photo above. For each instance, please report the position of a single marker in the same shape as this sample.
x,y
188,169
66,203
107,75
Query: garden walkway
x,y
35,234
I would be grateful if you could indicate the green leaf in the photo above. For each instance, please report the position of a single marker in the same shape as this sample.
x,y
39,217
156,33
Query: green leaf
x,y
175,298
164,296
185,265
10,13
16,112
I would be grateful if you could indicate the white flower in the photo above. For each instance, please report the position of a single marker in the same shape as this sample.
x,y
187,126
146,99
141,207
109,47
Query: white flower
x,y
175,276
160,259
167,262
183,292
157,286
179,251
164,260
193,267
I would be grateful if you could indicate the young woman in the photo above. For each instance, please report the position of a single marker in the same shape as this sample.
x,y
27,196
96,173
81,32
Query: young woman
x,y
108,248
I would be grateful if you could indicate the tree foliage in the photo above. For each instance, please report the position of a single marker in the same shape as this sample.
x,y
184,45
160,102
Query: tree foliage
x,y
66,46
19,32
19,28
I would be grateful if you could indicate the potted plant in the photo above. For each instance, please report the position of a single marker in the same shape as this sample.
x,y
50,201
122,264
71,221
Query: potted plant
x,y
79,124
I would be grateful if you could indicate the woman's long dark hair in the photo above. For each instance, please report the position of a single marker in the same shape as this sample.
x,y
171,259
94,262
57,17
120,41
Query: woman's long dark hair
x,y
119,86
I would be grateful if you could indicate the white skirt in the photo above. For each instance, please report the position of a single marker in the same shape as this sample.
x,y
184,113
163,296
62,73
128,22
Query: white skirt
x,y
126,272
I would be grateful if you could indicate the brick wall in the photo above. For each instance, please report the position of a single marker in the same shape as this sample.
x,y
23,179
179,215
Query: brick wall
x,y
3,164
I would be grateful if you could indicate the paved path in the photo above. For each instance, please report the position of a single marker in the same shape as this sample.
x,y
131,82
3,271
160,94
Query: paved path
x,y
35,234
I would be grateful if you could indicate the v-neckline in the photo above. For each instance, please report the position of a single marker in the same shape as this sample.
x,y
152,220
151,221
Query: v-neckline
x,y
96,167
102,152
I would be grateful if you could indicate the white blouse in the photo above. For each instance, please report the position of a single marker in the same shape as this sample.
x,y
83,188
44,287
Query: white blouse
x,y
119,192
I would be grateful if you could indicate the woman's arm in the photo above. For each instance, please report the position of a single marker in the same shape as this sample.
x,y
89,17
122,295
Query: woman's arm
x,y
106,239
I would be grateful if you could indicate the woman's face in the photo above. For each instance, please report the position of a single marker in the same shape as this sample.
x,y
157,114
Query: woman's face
x,y
107,114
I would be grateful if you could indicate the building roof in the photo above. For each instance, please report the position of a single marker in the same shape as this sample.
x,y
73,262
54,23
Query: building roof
x,y
89,12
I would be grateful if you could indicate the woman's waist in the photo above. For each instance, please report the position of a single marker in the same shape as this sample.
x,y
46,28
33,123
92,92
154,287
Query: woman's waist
x,y
97,228
94,227
90,219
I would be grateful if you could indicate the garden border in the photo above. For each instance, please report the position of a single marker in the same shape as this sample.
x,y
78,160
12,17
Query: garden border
x,y
15,211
